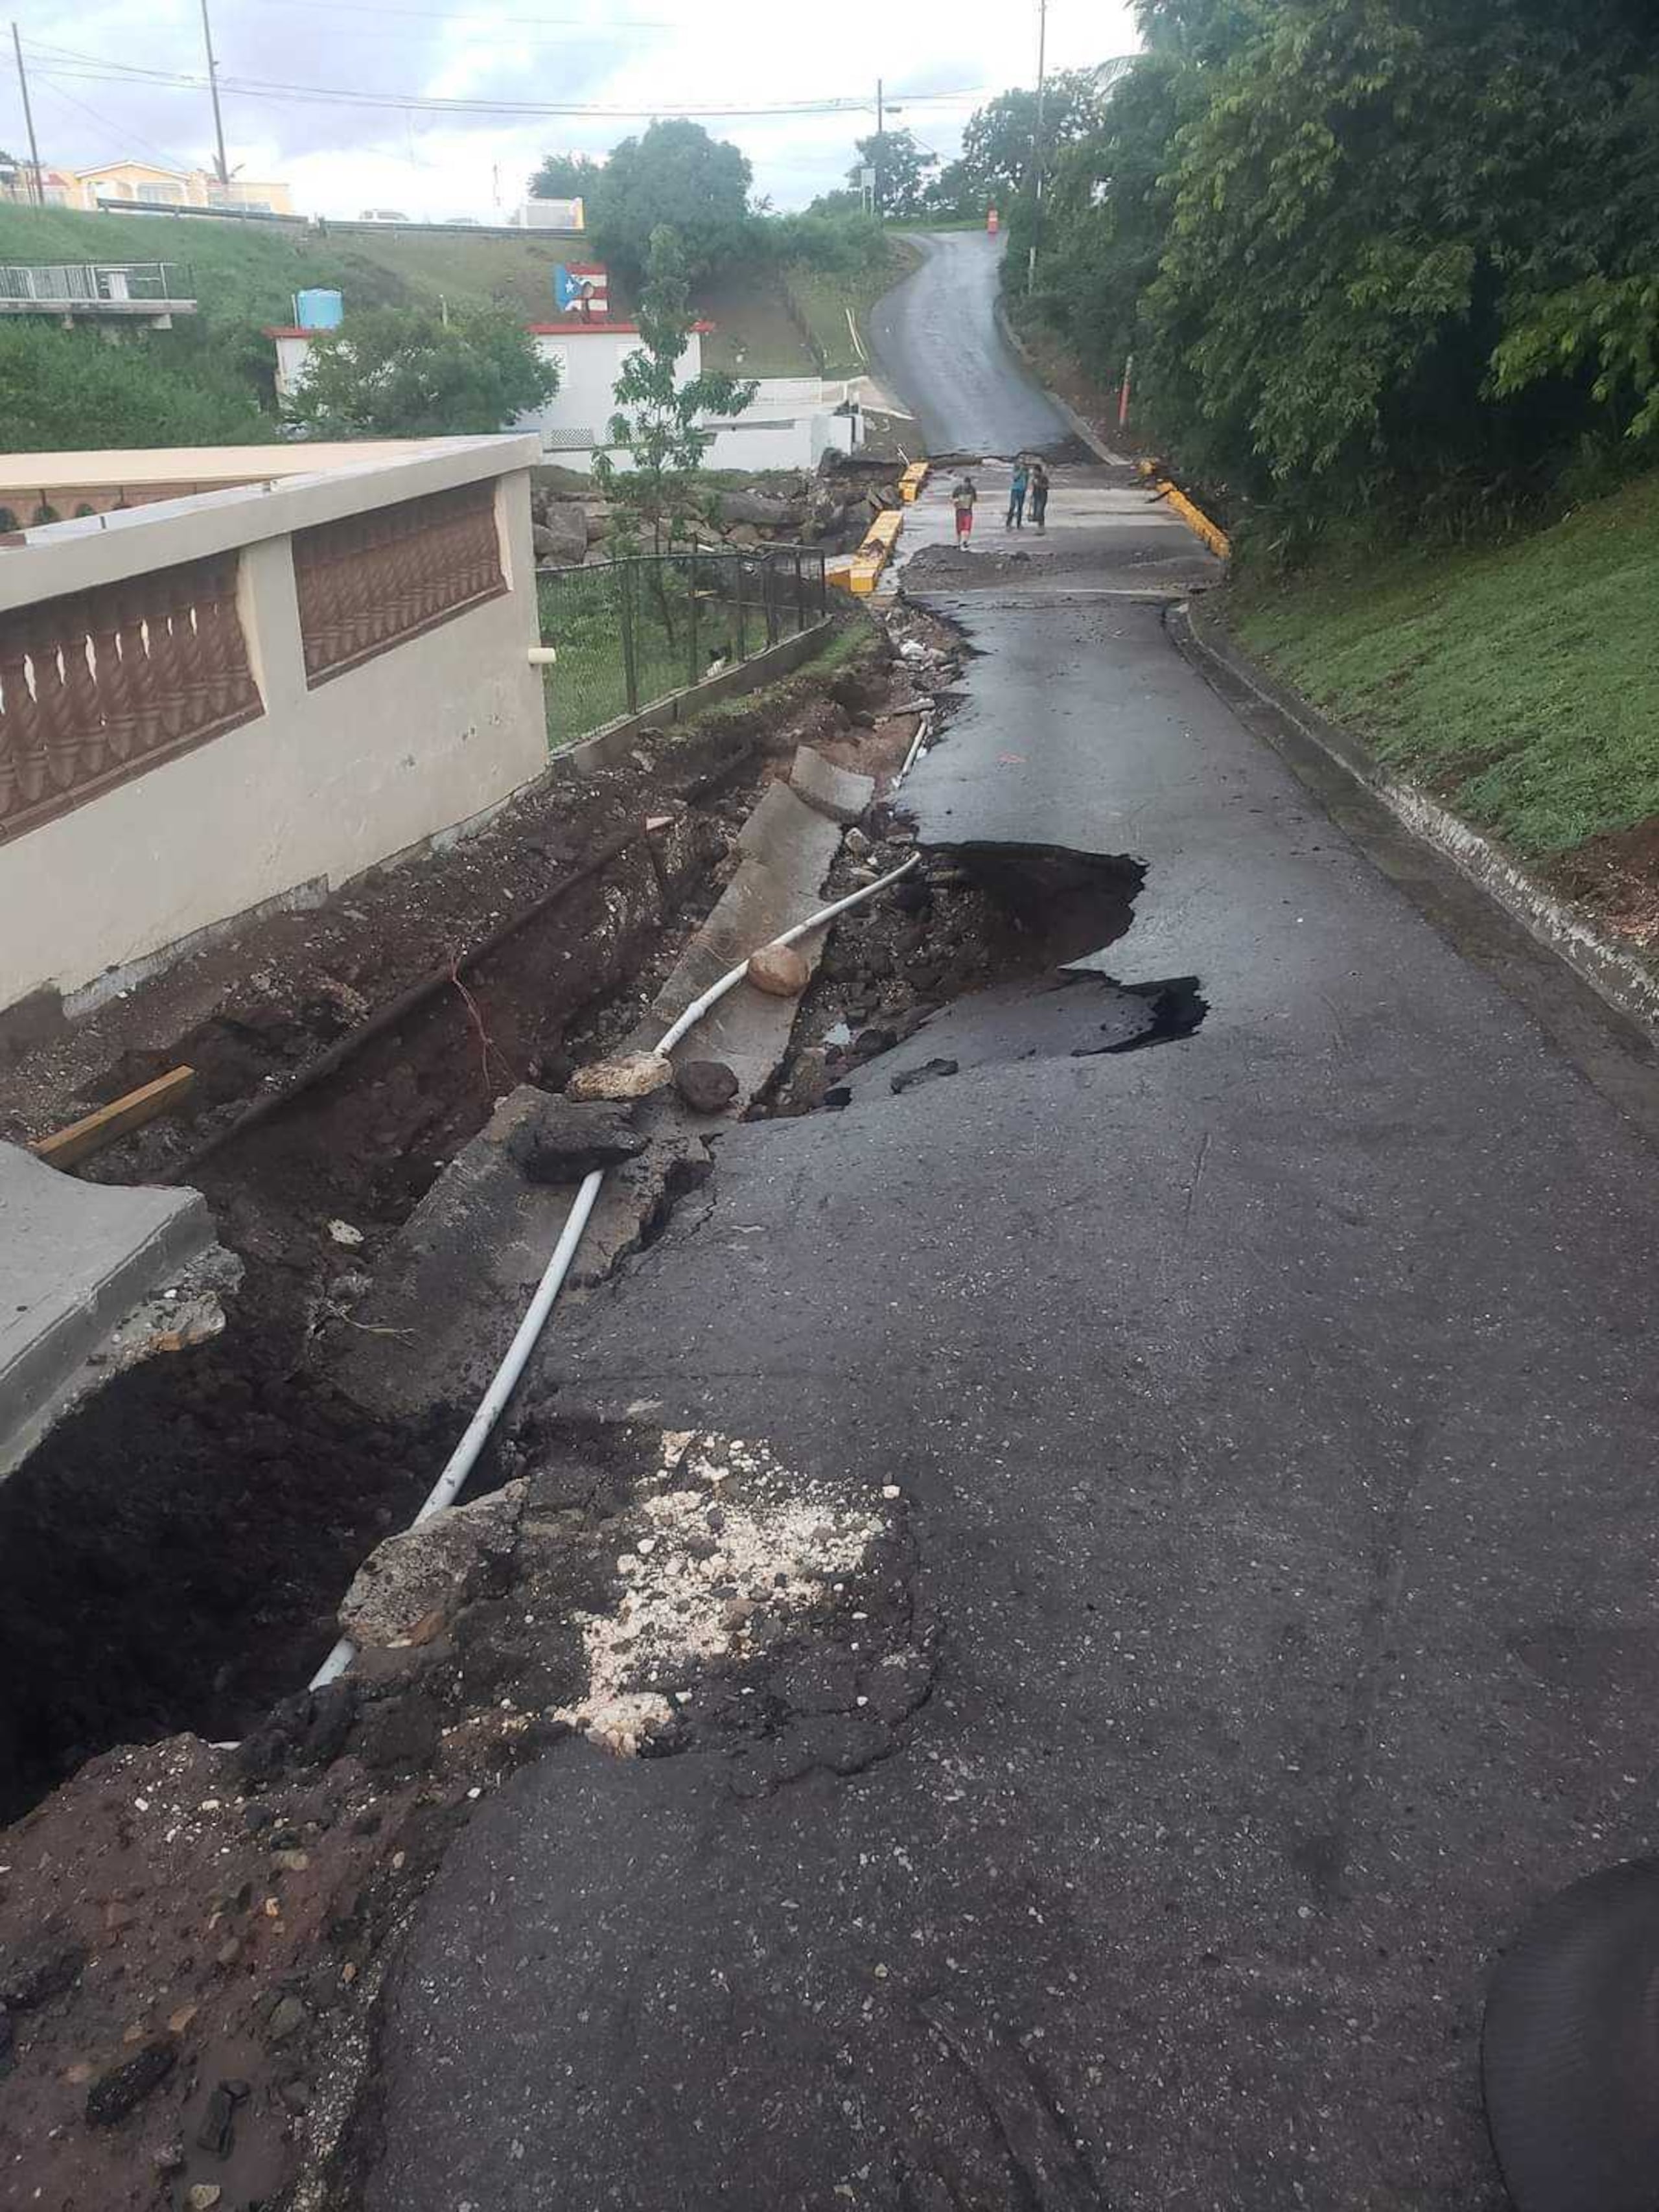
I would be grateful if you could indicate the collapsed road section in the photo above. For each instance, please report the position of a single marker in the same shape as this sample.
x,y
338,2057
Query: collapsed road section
x,y
180,1553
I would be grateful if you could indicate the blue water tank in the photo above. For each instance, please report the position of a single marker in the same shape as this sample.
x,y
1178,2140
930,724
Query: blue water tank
x,y
318,310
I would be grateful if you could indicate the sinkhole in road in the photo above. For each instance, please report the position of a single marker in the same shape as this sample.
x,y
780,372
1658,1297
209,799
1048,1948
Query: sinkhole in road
x,y
995,926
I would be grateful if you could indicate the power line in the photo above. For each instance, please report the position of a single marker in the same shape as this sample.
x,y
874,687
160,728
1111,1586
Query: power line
x,y
64,62
123,130
599,30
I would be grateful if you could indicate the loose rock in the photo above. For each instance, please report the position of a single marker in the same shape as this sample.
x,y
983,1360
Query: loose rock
x,y
562,1141
929,1072
633,1075
115,2093
780,970
45,1971
707,1086
425,1569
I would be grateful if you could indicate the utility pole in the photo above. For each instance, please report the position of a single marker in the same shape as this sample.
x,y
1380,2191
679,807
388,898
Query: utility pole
x,y
213,86
1036,142
37,182
881,127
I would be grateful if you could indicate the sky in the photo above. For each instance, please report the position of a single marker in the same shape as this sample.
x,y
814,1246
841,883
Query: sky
x,y
343,155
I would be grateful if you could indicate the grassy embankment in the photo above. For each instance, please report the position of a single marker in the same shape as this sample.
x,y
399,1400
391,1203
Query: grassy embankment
x,y
1519,683
768,321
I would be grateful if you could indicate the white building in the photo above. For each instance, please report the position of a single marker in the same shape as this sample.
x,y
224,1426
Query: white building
x,y
550,214
792,422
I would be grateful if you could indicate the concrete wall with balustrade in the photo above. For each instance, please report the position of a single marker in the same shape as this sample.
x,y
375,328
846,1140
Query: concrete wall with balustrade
x,y
247,697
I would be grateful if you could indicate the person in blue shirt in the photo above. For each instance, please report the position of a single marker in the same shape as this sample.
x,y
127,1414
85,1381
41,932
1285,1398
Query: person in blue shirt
x,y
1017,495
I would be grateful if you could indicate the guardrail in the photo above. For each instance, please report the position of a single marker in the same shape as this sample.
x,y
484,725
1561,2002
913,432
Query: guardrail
x,y
631,634
90,283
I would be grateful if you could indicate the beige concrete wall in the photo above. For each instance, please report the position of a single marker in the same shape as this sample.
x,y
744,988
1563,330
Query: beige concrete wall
x,y
324,784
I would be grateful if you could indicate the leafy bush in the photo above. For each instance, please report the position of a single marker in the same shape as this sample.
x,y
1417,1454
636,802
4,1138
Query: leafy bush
x,y
409,372
61,389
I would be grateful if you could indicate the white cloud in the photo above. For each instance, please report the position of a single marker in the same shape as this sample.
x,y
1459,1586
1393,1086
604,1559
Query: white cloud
x,y
342,159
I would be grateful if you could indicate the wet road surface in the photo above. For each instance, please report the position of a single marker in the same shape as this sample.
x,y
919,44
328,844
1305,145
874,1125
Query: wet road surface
x,y
939,349
1275,1417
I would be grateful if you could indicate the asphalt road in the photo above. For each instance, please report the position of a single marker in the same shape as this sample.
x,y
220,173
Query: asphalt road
x,y
1274,1415
939,350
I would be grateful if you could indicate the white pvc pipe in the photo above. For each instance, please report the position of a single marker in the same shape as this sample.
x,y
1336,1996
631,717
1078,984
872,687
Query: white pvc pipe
x,y
698,1007
462,1460
922,728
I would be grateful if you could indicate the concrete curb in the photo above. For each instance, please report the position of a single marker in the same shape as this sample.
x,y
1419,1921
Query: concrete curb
x,y
1080,427
611,743
1200,630
78,1257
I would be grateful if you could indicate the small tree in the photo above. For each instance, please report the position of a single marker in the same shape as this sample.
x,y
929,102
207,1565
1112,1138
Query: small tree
x,y
663,495
407,373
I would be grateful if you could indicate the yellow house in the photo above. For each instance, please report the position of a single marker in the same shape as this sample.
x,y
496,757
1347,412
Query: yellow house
x,y
147,185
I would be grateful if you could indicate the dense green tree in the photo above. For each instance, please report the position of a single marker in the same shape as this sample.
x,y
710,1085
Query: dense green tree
x,y
901,166
674,174
1377,257
410,372
565,177
998,144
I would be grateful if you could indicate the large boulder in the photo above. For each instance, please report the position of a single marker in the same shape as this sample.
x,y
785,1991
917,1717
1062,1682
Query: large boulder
x,y
764,511
562,539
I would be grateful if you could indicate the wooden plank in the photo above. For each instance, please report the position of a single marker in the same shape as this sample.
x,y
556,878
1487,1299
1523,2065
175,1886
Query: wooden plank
x,y
118,1119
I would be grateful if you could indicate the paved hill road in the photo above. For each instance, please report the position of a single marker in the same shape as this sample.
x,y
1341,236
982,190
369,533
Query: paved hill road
x,y
1273,1412
939,349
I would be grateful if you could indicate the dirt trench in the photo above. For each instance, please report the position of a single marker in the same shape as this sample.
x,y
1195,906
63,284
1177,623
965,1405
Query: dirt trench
x,y
172,1555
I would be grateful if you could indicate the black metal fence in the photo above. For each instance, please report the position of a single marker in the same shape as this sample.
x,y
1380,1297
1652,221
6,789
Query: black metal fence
x,y
630,633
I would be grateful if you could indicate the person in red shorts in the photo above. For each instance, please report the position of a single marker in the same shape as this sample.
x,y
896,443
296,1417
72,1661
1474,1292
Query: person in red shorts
x,y
963,496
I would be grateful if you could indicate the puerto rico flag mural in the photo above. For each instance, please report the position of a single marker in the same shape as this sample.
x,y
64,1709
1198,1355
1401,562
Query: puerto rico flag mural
x,y
580,289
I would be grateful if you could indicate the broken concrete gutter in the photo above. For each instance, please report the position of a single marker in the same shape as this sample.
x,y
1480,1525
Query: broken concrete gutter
x,y
505,1378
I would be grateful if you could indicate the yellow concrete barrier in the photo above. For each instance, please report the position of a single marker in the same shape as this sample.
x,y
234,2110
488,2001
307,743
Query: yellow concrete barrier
x,y
911,482
1199,523
1194,517
863,572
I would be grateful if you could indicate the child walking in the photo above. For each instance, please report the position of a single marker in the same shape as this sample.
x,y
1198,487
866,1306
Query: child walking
x,y
963,497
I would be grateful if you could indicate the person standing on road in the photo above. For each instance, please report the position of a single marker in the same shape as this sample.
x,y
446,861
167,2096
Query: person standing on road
x,y
1017,495
1039,496
963,494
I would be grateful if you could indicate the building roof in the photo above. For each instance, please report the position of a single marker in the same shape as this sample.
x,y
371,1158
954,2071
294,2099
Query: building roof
x,y
573,327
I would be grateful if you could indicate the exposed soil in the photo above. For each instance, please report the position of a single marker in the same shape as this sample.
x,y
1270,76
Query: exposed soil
x,y
192,1940
1617,877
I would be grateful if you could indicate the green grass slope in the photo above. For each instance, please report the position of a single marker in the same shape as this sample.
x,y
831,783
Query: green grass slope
x,y
1520,684
247,272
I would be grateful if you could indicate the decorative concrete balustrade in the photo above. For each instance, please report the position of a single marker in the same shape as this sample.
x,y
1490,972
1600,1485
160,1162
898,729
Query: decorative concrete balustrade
x,y
216,702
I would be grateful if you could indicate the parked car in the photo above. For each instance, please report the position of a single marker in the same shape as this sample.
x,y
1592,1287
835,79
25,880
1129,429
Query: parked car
x,y
383,214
